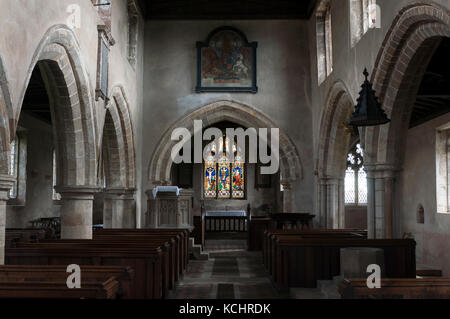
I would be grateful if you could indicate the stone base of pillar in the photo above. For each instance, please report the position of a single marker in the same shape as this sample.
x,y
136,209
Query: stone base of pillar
x,y
119,209
76,211
6,183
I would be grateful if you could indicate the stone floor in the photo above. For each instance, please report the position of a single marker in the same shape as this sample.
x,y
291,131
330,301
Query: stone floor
x,y
230,273
234,273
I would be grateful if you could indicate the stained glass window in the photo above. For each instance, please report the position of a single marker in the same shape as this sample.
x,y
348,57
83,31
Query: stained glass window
x,y
355,178
238,178
224,179
210,177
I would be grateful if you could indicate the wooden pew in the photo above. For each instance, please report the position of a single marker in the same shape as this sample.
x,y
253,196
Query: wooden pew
x,y
171,269
13,235
256,228
184,233
134,239
48,289
398,288
300,262
270,249
146,261
124,275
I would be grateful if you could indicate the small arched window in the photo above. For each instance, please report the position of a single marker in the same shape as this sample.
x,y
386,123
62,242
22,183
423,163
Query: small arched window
x,y
364,15
55,195
18,167
420,214
355,178
324,41
133,26
14,166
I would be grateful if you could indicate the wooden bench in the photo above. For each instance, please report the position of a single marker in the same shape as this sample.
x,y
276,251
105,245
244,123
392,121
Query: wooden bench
x,y
13,235
146,261
157,244
300,262
124,275
398,288
47,289
184,233
171,262
270,249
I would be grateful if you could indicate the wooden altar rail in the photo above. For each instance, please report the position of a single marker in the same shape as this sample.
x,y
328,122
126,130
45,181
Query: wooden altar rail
x,y
226,224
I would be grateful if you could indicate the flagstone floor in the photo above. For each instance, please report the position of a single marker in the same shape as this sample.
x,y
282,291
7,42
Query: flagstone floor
x,y
230,273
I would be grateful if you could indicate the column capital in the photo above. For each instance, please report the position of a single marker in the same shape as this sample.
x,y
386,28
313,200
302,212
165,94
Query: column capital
x,y
119,193
330,180
6,183
77,192
380,170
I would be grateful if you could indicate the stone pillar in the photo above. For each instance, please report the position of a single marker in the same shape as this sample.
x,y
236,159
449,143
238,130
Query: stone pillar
x,y
380,188
6,183
287,197
119,208
341,203
76,211
332,207
323,203
370,204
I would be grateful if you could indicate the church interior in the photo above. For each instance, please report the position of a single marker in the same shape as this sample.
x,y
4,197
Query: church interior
x,y
118,160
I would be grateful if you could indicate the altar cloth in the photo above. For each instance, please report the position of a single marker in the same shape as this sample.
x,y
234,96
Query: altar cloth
x,y
221,213
166,189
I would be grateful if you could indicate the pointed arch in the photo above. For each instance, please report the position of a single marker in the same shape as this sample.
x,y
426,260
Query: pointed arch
x,y
334,137
223,110
118,143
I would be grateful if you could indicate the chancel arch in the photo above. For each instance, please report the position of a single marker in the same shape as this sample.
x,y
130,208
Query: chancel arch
x,y
241,114
414,36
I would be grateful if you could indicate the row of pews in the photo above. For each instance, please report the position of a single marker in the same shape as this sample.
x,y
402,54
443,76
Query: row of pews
x,y
299,259
116,263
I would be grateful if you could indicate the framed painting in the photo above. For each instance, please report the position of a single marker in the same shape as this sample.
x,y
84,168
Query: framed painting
x,y
226,62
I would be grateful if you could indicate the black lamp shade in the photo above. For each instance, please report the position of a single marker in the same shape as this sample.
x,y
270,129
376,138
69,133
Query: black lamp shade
x,y
368,111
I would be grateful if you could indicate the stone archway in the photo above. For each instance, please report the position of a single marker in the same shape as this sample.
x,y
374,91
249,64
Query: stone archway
x,y
334,140
399,68
232,111
59,58
119,160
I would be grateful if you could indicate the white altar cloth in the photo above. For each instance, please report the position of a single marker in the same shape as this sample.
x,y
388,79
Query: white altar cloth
x,y
166,189
225,213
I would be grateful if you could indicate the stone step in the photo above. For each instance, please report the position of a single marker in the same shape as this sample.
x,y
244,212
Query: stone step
x,y
329,288
196,251
306,293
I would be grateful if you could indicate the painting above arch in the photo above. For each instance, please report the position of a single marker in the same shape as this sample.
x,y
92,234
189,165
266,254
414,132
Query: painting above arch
x,y
226,62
